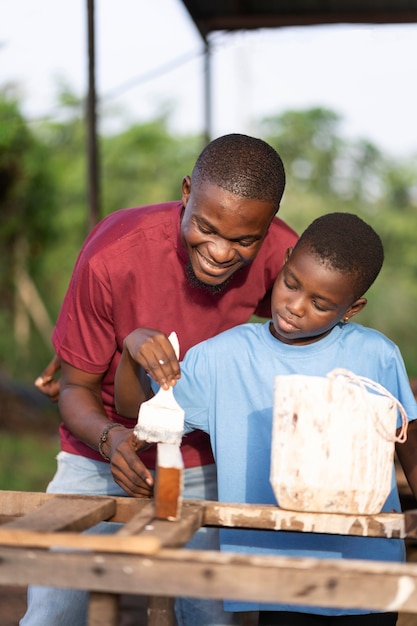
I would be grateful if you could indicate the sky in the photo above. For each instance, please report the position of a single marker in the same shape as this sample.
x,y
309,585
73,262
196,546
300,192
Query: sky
x,y
149,56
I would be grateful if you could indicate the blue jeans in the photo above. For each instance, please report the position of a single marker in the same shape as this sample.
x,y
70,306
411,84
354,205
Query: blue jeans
x,y
52,606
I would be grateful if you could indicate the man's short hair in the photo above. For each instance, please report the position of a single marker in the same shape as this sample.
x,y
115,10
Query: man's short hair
x,y
245,166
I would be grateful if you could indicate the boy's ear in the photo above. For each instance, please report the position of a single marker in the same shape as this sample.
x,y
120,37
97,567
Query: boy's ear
x,y
355,308
288,253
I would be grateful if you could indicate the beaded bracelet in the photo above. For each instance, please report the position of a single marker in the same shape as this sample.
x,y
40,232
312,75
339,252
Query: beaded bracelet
x,y
103,438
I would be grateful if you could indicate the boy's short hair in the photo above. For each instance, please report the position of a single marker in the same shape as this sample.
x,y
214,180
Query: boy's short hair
x,y
245,166
346,243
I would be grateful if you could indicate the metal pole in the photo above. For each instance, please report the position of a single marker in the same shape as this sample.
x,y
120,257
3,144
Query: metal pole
x,y
207,93
92,141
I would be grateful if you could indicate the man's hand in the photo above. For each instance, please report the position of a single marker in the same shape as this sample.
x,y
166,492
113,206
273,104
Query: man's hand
x,y
46,382
82,410
128,470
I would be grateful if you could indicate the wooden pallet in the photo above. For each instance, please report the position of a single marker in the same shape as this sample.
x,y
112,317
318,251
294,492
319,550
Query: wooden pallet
x,y
43,541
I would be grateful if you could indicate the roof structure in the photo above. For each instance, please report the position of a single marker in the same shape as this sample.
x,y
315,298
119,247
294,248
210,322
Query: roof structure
x,y
232,15
212,15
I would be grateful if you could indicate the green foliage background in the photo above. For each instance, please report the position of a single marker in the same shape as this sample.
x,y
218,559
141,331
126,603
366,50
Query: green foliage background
x,y
44,208
43,205
327,173
43,202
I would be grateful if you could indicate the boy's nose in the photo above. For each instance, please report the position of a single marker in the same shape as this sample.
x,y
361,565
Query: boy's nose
x,y
296,306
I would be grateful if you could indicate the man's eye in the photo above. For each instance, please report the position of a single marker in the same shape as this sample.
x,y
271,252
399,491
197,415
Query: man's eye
x,y
204,229
246,243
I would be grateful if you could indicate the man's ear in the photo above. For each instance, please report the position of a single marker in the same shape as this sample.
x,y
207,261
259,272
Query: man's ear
x,y
355,308
186,190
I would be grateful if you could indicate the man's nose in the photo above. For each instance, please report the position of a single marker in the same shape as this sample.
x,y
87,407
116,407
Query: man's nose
x,y
220,250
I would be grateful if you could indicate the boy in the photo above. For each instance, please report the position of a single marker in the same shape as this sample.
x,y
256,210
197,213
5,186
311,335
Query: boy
x,y
226,389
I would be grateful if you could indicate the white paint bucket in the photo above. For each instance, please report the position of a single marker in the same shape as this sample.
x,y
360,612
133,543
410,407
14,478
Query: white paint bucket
x,y
333,443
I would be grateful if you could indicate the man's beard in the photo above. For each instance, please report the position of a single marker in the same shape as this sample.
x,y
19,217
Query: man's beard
x,y
195,282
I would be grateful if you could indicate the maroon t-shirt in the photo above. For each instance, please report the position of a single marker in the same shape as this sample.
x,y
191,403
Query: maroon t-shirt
x,y
130,274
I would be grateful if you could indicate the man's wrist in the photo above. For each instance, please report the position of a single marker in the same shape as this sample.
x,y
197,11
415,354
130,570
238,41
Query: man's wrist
x,y
103,438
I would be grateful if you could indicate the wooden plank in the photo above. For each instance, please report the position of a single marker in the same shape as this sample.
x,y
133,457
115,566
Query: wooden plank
x,y
127,507
18,503
62,513
271,517
238,515
23,538
171,573
138,522
103,609
206,574
161,611
410,523
177,533
6,519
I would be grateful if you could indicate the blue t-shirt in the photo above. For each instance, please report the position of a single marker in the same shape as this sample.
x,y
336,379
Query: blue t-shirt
x,y
227,389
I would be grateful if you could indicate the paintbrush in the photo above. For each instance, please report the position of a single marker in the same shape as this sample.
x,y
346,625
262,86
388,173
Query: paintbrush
x,y
161,419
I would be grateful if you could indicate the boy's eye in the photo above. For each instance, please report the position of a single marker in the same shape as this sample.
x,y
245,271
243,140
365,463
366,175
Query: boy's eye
x,y
289,285
320,307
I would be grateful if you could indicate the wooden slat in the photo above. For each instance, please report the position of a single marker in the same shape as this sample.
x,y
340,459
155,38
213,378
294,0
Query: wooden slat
x,y
103,609
410,523
352,584
18,503
138,522
348,583
238,515
127,507
6,519
62,513
177,534
23,538
270,517
112,567
161,611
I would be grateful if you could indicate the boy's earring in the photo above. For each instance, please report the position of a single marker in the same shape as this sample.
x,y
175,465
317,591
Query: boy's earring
x,y
346,319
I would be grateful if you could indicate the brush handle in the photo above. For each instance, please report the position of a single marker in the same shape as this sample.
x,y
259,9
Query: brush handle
x,y
165,398
173,338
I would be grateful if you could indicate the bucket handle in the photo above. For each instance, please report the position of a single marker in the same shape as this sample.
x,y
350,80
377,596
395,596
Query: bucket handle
x,y
364,382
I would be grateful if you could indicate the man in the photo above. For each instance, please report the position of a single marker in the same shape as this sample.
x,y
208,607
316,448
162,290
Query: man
x,y
199,266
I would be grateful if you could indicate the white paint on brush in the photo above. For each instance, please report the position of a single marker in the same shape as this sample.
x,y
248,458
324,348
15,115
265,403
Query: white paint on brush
x,y
169,455
161,419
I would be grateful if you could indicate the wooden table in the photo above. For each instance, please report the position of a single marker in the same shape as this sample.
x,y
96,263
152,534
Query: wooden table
x,y
41,542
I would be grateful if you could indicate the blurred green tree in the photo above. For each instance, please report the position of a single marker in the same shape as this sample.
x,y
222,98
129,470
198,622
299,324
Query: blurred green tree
x,y
43,203
27,227
326,172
